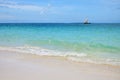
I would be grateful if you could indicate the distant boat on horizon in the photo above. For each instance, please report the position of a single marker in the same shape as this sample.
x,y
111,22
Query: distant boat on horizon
x,y
86,21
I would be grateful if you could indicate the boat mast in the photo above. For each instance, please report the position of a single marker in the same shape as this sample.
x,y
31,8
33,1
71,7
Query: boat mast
x,y
86,21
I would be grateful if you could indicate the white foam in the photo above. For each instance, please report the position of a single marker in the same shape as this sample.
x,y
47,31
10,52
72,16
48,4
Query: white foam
x,y
74,56
96,61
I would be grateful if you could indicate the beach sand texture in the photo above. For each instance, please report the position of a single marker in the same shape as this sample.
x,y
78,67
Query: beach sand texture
x,y
19,66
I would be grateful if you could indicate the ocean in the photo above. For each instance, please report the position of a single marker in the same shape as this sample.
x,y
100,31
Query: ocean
x,y
94,43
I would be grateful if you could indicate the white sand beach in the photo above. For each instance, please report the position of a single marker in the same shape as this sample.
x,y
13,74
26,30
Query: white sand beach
x,y
19,66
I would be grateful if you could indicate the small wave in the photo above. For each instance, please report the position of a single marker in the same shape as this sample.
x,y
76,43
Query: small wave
x,y
42,51
73,56
96,61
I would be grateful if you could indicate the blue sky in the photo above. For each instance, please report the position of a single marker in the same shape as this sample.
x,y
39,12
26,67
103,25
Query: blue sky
x,y
97,11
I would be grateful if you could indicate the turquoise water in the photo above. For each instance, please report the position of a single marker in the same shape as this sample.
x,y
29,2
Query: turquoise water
x,y
96,43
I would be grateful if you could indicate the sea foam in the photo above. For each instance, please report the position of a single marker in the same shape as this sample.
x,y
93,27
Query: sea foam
x,y
73,56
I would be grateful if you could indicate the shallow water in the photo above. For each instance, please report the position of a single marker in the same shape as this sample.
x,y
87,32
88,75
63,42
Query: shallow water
x,y
98,43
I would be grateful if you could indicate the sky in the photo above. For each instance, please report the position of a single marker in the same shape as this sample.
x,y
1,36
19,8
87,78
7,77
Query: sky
x,y
59,11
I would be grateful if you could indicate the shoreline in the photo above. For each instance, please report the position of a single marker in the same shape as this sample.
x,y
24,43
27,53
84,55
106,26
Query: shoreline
x,y
17,66
75,57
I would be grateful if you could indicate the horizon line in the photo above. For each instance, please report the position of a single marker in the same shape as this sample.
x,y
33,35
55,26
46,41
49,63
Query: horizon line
x,y
63,22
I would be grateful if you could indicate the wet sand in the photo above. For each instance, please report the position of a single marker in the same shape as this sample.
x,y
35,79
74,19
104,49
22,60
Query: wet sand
x,y
21,66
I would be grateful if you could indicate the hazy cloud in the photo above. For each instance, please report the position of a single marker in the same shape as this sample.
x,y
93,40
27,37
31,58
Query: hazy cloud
x,y
6,16
27,7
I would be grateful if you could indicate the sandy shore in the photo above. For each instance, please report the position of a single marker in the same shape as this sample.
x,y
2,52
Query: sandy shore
x,y
19,66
